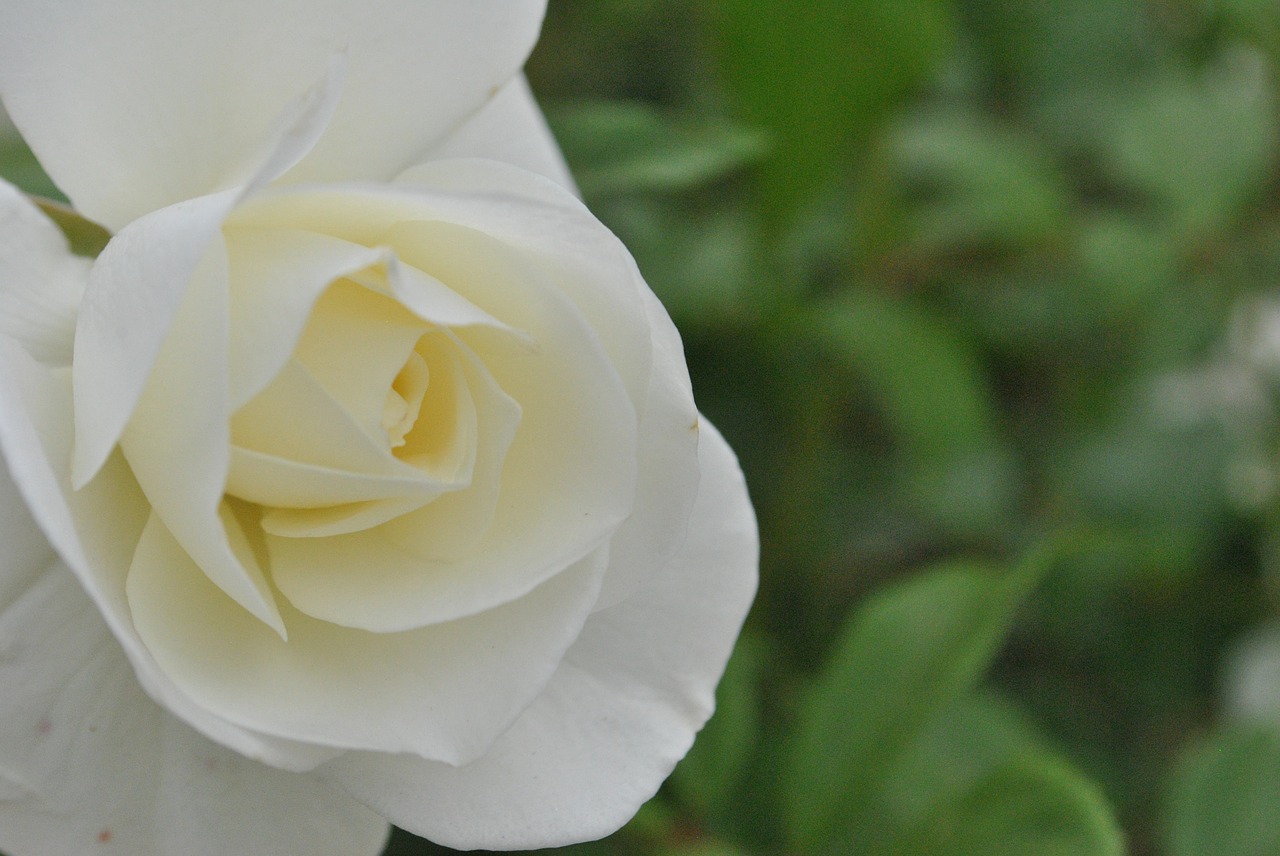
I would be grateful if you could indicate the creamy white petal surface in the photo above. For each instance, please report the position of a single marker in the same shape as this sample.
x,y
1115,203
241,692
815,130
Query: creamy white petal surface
x,y
509,128
369,467
40,282
622,709
96,530
91,764
183,95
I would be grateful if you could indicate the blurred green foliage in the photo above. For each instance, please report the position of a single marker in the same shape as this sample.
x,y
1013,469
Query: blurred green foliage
x,y
982,292
985,295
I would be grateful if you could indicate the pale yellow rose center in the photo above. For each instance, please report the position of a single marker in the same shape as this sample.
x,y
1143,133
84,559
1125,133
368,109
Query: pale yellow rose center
x,y
404,399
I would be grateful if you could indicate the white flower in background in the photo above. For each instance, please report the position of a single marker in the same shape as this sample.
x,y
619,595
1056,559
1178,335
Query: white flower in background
x,y
1251,682
1236,391
371,479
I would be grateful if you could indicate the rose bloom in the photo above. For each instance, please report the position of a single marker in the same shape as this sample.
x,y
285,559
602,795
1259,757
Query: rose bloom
x,y
359,478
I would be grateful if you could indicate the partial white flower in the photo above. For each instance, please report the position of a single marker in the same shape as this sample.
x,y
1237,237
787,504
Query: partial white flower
x,y
371,478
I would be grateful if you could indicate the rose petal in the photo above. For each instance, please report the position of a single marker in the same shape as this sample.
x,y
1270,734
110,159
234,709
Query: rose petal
x,y
354,345
283,483
134,291
183,93
621,711
668,448
575,445
489,424
41,283
177,440
25,548
509,128
413,692
95,530
277,275
297,419
141,277
548,230
100,768
578,423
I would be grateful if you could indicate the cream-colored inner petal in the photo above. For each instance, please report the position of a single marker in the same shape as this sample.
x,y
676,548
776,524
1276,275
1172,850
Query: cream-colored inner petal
x,y
431,421
372,417
357,345
404,399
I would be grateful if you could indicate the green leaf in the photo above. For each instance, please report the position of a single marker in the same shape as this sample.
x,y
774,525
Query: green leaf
x,y
906,654
985,184
926,377
1032,804
965,742
928,385
1051,54
1257,20
822,76
1225,796
19,167
1202,144
621,147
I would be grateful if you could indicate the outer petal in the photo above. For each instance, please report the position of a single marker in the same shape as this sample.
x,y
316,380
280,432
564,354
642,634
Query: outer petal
x,y
96,529
135,289
669,471
95,766
40,281
140,279
25,549
177,442
520,221
623,708
182,93
444,691
509,128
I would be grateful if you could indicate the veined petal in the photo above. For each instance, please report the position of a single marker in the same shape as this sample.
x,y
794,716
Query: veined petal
x,y
413,692
509,128
98,767
96,529
41,282
622,710
183,93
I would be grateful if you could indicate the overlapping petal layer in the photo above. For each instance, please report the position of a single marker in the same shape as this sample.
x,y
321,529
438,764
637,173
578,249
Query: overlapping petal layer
x,y
623,708
89,763
184,97
386,480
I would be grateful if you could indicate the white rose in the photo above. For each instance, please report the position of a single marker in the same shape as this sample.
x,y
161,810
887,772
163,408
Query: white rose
x,y
370,493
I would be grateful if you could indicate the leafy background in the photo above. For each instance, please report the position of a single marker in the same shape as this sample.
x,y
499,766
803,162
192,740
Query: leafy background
x,y
984,295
